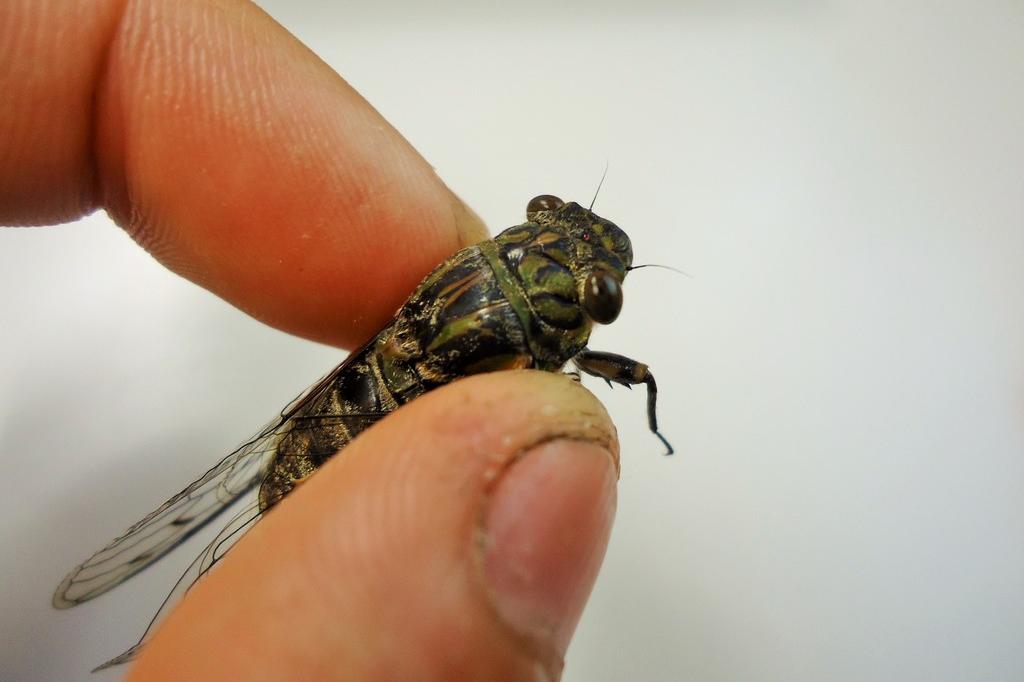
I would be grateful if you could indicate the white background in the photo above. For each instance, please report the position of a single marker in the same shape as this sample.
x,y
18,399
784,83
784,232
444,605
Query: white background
x,y
843,375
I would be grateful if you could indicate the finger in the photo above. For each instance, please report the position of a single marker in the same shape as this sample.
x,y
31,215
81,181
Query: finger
x,y
457,539
228,150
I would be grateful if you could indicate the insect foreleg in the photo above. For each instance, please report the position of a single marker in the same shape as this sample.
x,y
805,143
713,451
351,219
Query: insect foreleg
x,y
622,370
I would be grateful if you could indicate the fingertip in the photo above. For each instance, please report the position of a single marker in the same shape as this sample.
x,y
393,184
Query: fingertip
x,y
242,161
231,152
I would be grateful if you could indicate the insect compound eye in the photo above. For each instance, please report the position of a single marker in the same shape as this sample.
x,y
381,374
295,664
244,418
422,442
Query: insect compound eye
x,y
602,297
545,202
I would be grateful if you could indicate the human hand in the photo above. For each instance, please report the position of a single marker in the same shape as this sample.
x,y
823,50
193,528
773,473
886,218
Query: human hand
x,y
460,537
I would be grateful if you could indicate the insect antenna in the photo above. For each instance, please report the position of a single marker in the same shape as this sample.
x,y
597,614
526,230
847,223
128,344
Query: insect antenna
x,y
598,190
664,267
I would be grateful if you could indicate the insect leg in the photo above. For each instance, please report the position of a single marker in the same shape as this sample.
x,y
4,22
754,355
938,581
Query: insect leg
x,y
622,370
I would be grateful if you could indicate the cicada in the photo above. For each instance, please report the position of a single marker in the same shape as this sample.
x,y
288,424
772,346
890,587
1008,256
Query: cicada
x,y
528,298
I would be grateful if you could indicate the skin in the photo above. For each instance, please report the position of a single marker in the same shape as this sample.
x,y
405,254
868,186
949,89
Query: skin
x,y
460,537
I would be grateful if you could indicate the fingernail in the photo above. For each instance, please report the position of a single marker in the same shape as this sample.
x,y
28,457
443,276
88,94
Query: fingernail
x,y
545,533
470,227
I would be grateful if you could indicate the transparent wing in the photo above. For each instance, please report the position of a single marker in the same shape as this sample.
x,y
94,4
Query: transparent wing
x,y
213,553
186,513
238,524
170,524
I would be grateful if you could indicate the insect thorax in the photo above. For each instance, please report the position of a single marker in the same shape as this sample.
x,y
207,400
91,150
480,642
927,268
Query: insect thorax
x,y
505,303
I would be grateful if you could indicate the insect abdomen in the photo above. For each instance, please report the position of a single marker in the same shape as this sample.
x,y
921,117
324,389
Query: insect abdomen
x,y
356,399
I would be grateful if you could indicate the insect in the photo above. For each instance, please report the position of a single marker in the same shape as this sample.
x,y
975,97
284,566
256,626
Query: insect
x,y
526,299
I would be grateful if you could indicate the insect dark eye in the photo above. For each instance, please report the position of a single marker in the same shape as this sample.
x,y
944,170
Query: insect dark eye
x,y
545,202
602,297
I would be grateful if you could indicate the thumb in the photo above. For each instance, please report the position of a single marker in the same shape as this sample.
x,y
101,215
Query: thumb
x,y
457,539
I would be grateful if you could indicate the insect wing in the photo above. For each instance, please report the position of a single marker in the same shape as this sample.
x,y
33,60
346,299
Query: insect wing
x,y
171,524
214,551
238,524
177,519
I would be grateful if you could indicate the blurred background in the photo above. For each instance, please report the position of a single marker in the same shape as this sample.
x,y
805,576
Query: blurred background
x,y
842,375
